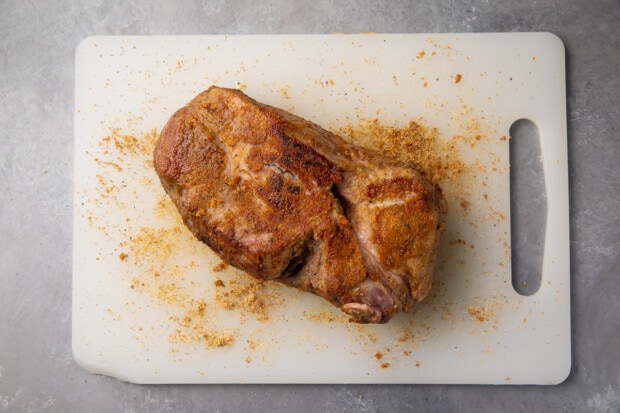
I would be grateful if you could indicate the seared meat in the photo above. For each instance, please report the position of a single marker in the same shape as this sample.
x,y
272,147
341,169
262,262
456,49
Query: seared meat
x,y
281,198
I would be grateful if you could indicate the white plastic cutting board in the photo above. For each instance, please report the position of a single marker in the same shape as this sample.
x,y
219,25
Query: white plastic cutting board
x,y
139,276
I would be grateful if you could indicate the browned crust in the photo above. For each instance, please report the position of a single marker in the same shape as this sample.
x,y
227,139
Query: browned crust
x,y
188,157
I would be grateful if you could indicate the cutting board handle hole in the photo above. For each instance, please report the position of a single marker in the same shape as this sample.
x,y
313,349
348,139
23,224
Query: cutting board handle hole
x,y
528,207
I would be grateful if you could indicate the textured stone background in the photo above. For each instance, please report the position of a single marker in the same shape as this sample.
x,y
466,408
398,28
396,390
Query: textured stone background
x,y
37,44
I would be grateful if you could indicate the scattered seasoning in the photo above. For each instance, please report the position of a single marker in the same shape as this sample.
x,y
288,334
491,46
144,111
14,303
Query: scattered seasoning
x,y
405,335
249,296
193,327
325,316
414,142
481,314
457,78
126,144
152,250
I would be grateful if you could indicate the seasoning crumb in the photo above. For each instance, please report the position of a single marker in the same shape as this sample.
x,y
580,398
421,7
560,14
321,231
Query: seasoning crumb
x,y
385,365
324,316
284,92
122,256
457,78
480,313
218,283
378,355
220,267
417,363
421,54
135,283
405,335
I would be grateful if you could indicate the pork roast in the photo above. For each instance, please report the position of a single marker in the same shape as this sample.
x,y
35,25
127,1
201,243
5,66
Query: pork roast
x,y
281,198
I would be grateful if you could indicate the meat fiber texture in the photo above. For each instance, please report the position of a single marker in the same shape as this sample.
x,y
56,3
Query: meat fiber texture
x,y
281,198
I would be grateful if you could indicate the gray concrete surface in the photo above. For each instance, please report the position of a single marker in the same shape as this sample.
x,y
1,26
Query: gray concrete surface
x,y
37,44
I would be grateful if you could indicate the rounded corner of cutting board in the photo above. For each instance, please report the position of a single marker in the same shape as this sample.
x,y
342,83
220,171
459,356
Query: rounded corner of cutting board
x,y
86,42
562,373
83,359
553,39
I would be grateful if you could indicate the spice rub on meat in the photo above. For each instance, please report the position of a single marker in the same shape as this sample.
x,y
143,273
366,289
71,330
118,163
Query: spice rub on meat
x,y
281,198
